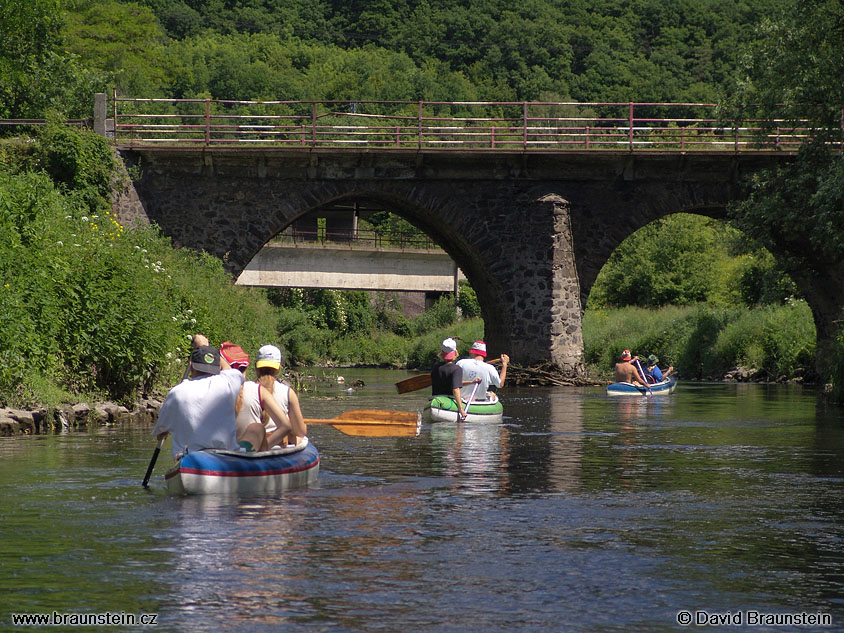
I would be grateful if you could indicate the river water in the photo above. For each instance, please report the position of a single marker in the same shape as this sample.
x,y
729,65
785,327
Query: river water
x,y
719,503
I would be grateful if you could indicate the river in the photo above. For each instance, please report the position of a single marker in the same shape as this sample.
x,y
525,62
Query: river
x,y
720,504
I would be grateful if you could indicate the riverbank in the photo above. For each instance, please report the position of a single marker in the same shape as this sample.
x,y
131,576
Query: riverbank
x,y
38,420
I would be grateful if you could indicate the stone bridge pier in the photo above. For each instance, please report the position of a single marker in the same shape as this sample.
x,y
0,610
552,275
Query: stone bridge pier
x,y
530,231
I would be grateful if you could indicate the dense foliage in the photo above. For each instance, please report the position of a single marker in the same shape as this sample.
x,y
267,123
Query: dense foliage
x,y
349,327
88,307
687,259
579,50
36,73
792,77
582,50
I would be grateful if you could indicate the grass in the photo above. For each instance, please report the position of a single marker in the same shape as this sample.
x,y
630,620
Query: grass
x,y
704,342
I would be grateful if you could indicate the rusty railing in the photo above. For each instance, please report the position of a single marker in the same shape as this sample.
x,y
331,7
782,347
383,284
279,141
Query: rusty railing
x,y
429,125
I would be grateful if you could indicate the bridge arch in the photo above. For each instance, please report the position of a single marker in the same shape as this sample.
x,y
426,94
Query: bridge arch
x,y
529,230
509,263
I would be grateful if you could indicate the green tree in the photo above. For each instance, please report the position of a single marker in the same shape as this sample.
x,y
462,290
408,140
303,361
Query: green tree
x,y
123,40
36,74
669,261
792,77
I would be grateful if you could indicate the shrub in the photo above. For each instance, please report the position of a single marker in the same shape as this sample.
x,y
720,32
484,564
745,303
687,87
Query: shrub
x,y
425,350
467,300
90,308
443,313
302,341
388,316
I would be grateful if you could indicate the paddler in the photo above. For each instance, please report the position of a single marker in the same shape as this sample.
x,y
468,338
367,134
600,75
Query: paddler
x,y
447,376
199,412
625,371
476,369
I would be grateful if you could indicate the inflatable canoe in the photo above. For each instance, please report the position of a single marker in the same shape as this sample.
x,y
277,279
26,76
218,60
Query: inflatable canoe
x,y
444,409
215,471
661,388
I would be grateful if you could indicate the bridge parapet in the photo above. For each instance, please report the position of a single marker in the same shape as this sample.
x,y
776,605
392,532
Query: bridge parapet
x,y
444,126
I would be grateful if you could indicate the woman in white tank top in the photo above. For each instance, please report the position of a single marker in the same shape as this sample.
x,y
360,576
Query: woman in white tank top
x,y
269,403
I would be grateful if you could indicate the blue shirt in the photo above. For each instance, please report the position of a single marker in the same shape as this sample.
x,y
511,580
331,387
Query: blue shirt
x,y
656,373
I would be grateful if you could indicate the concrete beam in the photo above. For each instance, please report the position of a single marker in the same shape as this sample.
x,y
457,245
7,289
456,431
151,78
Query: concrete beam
x,y
350,269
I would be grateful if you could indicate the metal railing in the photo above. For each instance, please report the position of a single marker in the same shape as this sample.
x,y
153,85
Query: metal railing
x,y
351,238
439,125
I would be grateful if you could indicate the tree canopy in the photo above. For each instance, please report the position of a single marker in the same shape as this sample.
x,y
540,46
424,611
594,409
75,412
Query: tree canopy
x,y
580,50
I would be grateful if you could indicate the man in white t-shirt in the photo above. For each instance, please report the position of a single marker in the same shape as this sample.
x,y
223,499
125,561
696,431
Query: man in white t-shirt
x,y
199,412
476,370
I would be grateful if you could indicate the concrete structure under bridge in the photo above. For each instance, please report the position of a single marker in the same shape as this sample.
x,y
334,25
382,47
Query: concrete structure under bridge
x,y
529,229
343,268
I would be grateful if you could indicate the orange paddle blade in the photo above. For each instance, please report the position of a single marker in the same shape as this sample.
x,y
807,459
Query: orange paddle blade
x,y
414,383
374,423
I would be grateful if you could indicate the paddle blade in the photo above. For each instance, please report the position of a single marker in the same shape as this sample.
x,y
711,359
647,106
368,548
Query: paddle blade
x,y
407,418
362,429
414,383
374,423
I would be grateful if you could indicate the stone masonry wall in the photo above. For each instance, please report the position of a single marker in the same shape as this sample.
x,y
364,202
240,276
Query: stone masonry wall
x,y
530,233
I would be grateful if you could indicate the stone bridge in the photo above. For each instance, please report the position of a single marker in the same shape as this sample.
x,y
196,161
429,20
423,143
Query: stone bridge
x,y
530,230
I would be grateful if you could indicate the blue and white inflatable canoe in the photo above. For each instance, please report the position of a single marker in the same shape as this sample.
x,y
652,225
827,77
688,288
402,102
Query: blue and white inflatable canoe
x,y
662,388
214,471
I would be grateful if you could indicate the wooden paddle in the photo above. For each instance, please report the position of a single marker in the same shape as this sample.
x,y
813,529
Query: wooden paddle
x,y
373,423
415,383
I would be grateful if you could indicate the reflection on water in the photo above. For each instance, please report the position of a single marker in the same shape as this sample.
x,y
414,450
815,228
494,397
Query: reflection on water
x,y
476,454
578,512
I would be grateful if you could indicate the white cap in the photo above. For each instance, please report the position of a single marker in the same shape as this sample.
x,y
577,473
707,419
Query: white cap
x,y
449,348
269,356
